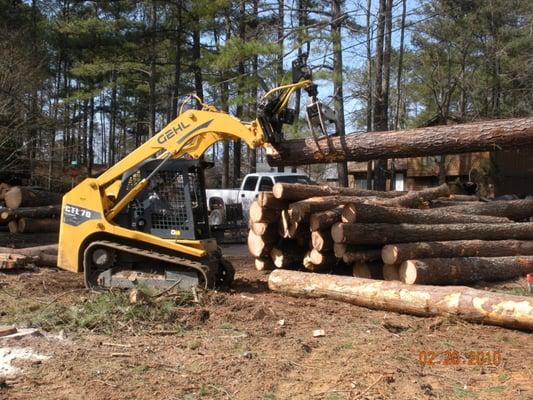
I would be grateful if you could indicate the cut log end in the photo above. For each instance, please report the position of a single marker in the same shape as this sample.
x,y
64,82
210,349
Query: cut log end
x,y
407,272
389,254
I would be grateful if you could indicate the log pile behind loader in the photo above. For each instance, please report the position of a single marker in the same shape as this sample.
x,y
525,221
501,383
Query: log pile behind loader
x,y
392,236
29,210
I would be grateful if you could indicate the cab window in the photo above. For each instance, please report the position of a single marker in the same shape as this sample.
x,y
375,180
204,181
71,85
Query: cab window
x,y
265,185
249,183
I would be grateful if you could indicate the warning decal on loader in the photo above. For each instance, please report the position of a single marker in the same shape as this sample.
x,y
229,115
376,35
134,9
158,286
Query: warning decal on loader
x,y
73,215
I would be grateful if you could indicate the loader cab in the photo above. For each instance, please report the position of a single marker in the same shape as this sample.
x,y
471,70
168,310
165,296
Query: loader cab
x,y
173,205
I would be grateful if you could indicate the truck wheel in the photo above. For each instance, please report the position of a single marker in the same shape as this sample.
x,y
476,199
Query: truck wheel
x,y
216,217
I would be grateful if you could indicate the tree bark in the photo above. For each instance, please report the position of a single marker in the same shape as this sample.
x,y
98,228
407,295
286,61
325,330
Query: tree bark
x,y
426,301
513,209
361,256
21,196
404,233
430,141
398,253
296,191
414,199
368,270
364,213
301,210
446,271
325,219
29,225
7,214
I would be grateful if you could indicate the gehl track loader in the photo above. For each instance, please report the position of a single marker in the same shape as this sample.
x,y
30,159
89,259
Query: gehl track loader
x,y
144,221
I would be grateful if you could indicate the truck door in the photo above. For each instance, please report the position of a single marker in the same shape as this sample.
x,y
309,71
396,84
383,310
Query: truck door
x,y
248,194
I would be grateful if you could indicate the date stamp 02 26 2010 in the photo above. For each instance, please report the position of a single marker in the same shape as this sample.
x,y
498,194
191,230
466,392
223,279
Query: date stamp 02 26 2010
x,y
471,358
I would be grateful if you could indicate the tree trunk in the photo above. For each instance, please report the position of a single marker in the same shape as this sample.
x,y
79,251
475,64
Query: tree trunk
x,y
7,214
426,301
296,191
398,253
369,91
21,196
301,210
280,28
28,225
405,233
325,219
359,212
321,240
415,198
400,67
177,60
361,256
453,271
513,209
262,214
430,141
368,270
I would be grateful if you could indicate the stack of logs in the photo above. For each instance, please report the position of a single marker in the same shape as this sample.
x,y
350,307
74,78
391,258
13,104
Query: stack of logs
x,y
424,237
29,210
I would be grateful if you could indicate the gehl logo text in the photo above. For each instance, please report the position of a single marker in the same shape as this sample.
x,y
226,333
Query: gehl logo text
x,y
169,134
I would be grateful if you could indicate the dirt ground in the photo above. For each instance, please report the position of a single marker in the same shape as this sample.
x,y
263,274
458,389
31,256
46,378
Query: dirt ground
x,y
250,343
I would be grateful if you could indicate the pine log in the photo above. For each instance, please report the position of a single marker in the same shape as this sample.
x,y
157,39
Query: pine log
x,y
302,210
446,271
463,197
445,203
404,233
21,196
398,253
297,191
517,210
264,264
321,240
325,219
339,249
414,199
420,142
368,270
361,256
262,214
32,251
268,200
359,212
13,226
259,246
327,262
264,228
391,272
426,301
4,187
287,255
29,225
8,214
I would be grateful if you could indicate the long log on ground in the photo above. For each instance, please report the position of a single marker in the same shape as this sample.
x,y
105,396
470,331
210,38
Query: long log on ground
x,y
287,255
21,196
470,304
259,246
365,213
32,251
361,256
368,270
262,214
430,141
398,253
297,191
391,272
324,219
29,225
404,233
321,240
264,264
414,199
8,214
268,200
514,209
452,271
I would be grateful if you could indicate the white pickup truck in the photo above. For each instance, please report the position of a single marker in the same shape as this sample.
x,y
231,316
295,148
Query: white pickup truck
x,y
218,200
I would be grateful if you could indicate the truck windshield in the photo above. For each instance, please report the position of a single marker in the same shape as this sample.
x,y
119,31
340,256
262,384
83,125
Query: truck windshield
x,y
294,179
